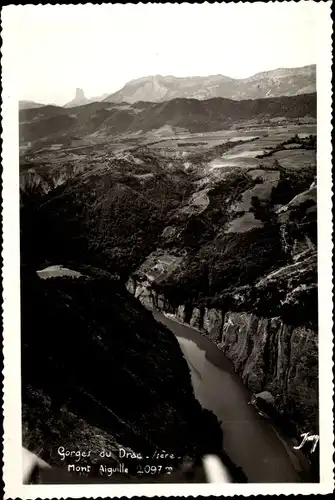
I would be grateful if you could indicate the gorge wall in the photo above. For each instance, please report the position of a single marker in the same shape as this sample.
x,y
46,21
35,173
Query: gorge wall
x,y
254,292
268,354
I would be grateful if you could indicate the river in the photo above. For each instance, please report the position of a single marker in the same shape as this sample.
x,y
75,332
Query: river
x,y
251,441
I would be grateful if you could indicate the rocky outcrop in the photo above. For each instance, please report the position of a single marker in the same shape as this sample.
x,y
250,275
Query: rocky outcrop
x,y
212,324
79,100
270,355
264,402
180,313
296,219
196,320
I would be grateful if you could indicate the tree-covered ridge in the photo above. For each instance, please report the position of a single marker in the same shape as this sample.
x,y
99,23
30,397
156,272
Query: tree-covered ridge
x,y
59,124
107,214
89,336
96,367
224,261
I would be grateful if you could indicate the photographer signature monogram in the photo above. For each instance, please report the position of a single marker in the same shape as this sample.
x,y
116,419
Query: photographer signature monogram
x,y
313,438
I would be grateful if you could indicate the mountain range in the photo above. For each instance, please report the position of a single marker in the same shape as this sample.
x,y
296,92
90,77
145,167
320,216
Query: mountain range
x,y
276,83
106,119
158,88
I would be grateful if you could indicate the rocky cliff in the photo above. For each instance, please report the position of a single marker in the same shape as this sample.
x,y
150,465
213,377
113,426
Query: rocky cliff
x,y
80,99
279,82
267,328
267,353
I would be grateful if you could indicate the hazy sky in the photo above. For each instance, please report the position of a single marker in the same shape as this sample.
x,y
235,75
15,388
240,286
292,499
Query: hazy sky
x,y
55,49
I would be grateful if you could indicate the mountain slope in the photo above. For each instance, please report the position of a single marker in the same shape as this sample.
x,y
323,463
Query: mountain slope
x,y
276,83
30,105
104,213
98,371
231,251
56,123
242,268
101,349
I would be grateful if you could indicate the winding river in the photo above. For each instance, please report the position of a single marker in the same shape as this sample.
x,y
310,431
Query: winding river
x,y
251,441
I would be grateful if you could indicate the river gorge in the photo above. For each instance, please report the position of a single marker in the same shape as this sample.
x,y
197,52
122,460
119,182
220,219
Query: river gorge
x,y
215,335
234,356
253,442
250,441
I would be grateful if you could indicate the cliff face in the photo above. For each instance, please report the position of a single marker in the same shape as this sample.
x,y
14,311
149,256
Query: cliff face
x,y
268,328
278,82
267,353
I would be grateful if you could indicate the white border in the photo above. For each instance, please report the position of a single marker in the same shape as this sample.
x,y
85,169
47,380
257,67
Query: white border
x,y
11,302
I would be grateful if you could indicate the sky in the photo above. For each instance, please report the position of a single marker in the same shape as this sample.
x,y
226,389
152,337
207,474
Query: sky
x,y
54,49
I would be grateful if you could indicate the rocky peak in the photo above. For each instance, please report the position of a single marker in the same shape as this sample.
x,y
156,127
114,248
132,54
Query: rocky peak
x,y
79,94
78,100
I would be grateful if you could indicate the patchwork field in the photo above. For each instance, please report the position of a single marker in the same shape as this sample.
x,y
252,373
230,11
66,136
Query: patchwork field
x,y
219,221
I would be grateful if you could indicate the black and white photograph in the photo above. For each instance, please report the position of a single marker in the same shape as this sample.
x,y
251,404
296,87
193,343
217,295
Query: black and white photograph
x,y
167,308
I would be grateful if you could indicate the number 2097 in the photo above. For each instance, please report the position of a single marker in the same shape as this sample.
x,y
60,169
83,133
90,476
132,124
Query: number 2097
x,y
153,469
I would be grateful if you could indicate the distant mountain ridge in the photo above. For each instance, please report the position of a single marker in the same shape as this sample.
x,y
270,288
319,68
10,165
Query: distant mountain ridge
x,y
157,88
30,105
194,115
275,83
79,100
